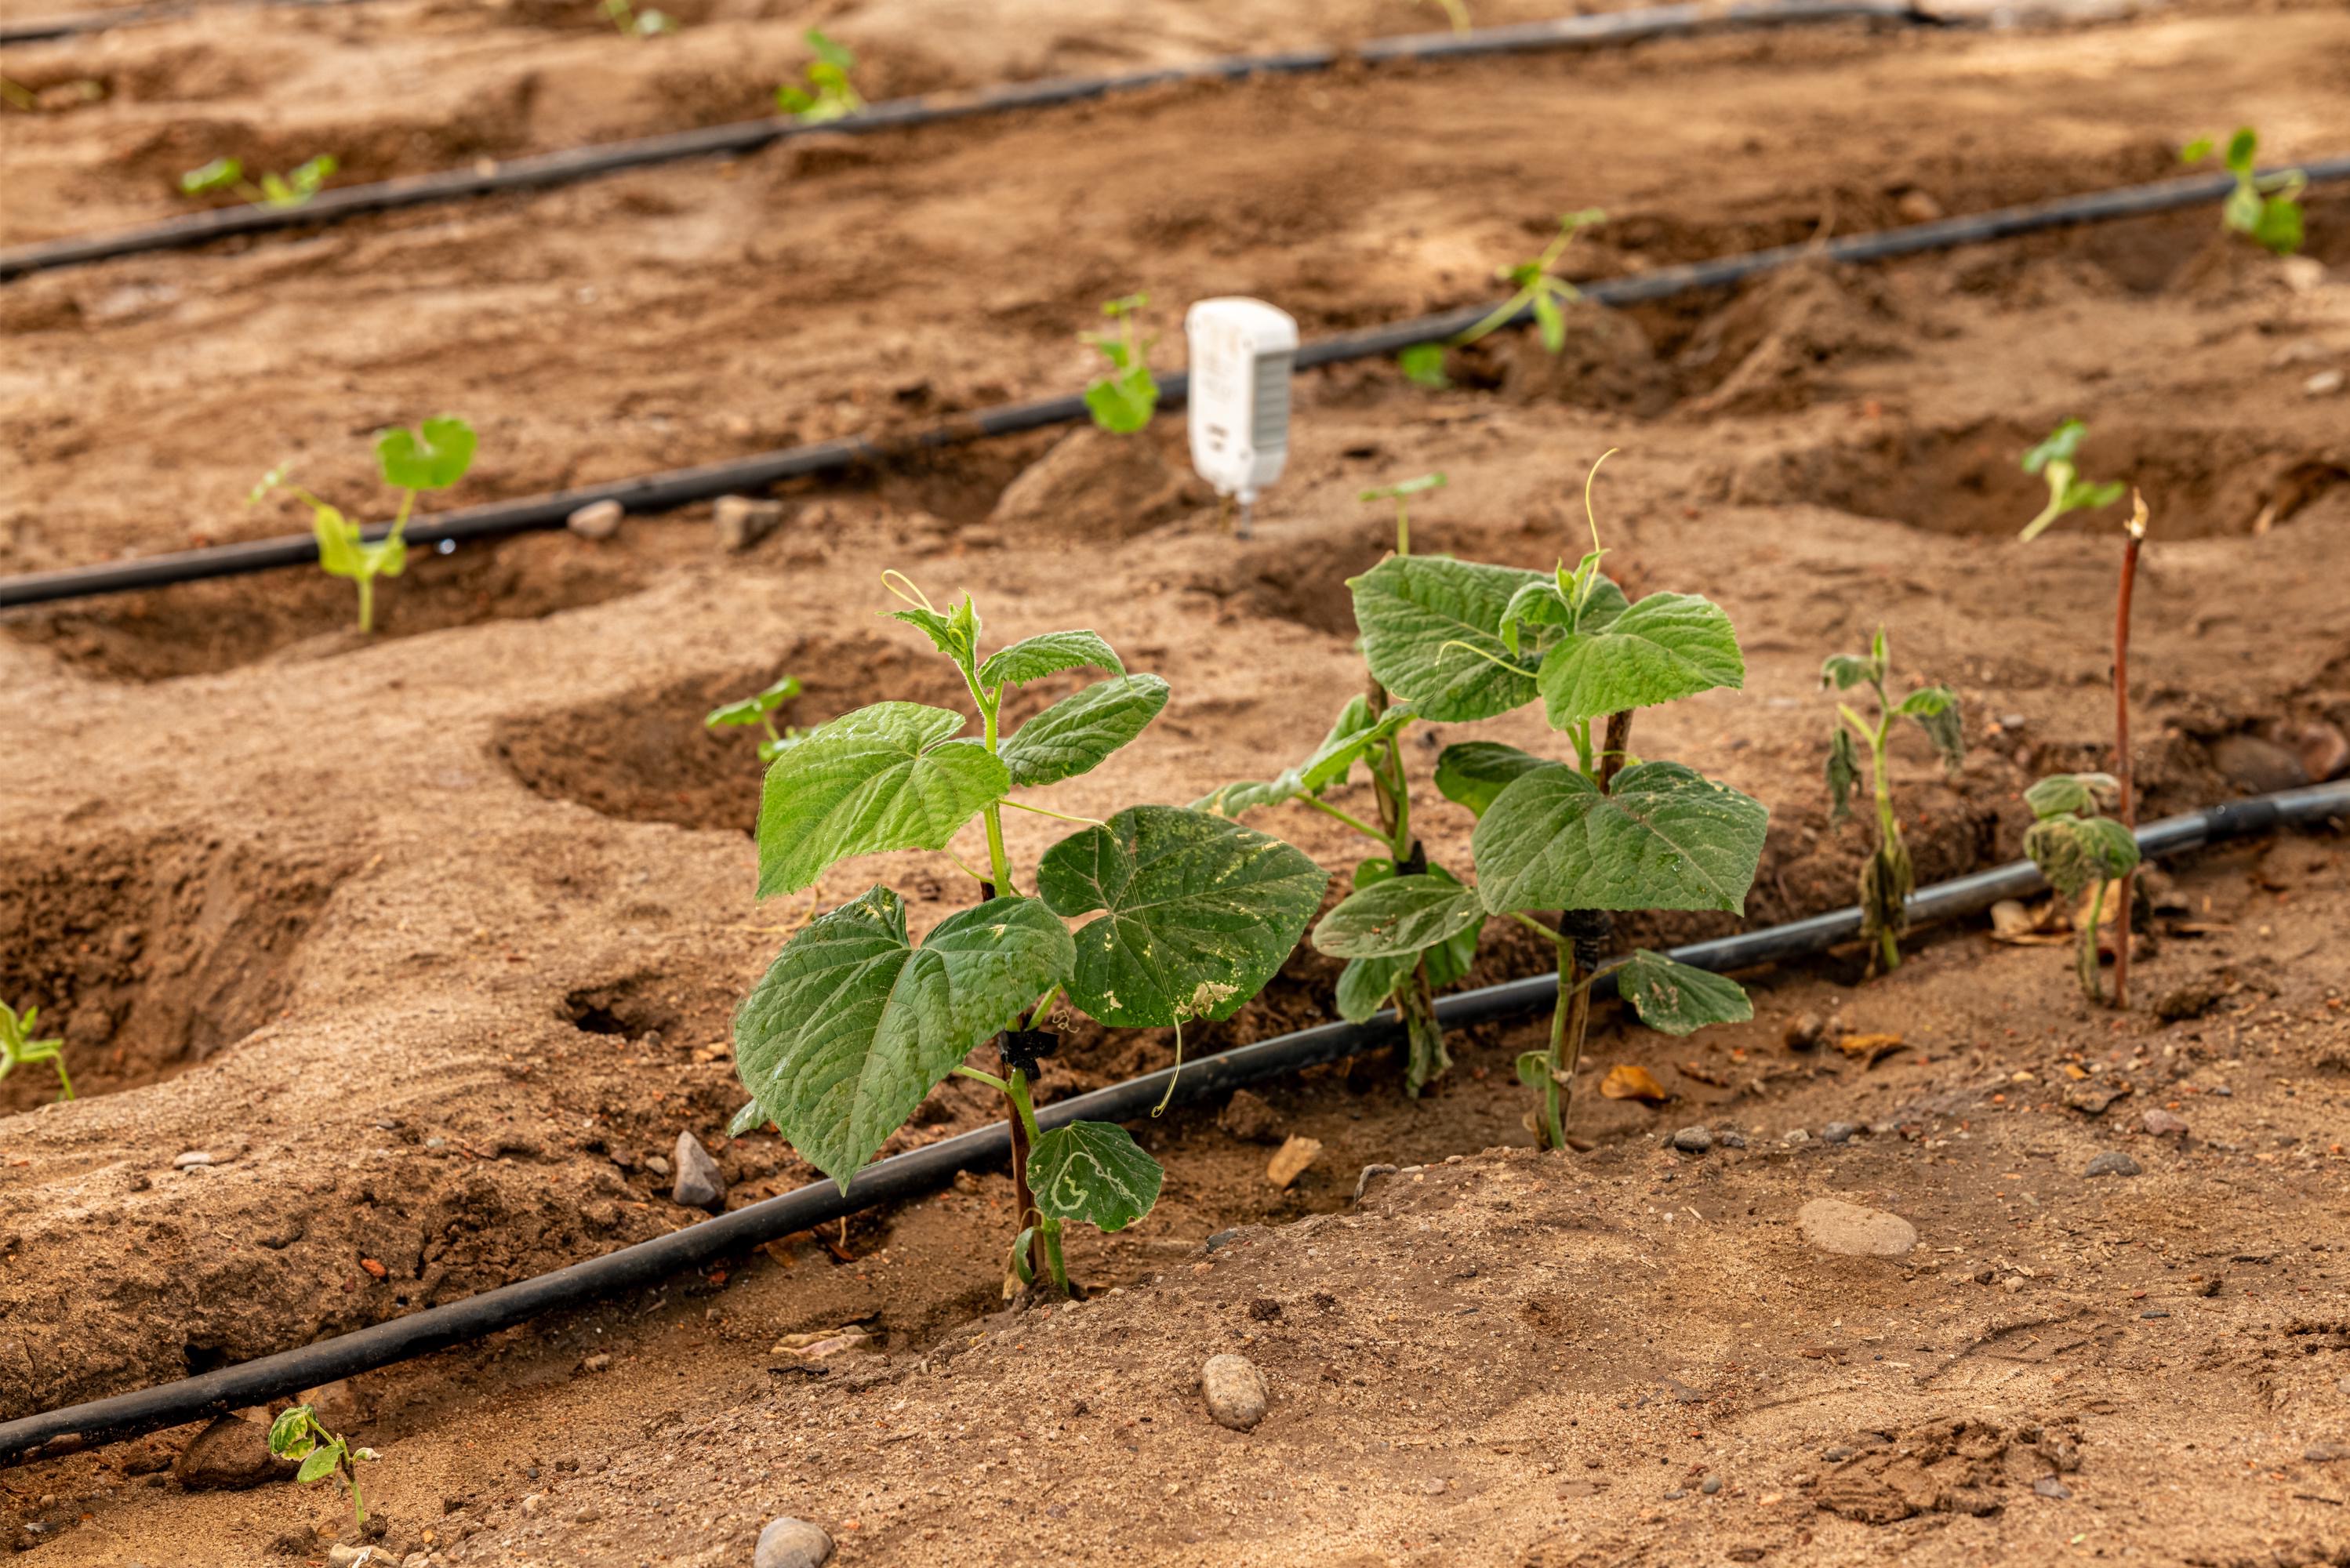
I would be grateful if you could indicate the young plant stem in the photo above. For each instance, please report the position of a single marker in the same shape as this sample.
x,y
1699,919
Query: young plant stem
x,y
367,604
1574,1000
1042,1259
1889,827
358,1503
2128,806
65,1079
1348,817
1553,1101
2086,962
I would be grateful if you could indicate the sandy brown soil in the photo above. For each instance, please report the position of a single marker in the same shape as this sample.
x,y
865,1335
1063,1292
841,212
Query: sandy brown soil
x,y
430,941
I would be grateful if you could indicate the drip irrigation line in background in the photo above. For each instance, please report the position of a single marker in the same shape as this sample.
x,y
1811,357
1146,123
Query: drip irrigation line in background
x,y
540,171
683,486
77,23
901,1176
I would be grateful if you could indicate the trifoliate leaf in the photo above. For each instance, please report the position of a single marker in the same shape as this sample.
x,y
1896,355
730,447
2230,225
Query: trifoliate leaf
x,y
1095,1172
852,1025
881,778
1432,634
1200,912
1664,838
1677,999
1668,646
1075,734
1365,985
434,458
1035,658
1401,914
2073,852
2060,794
1474,771
1845,670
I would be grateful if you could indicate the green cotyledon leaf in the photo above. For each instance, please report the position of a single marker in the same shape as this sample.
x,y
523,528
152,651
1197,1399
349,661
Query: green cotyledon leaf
x,y
1664,837
1198,913
1677,999
432,459
1095,1172
886,777
852,1025
1075,734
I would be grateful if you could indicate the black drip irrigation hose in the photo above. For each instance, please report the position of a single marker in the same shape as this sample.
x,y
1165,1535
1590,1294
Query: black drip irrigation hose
x,y
540,171
76,24
684,486
901,1176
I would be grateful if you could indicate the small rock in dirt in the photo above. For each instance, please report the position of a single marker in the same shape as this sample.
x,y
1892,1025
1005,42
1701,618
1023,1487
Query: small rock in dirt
x,y
657,1163
743,522
2113,1162
698,1184
1289,1160
1732,1139
229,1455
588,1515
1249,1118
1710,1485
2324,384
534,1503
1834,1226
790,1543
1804,1031
2257,765
189,1161
2325,1453
1693,1141
1795,1138
1222,1239
597,520
1234,1389
2091,1099
2193,1000
1363,1182
2162,1124
2324,752
599,1362
1838,1132
341,1556
2049,1485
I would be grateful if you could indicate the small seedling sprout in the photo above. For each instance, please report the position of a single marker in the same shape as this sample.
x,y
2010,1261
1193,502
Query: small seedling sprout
x,y
1535,287
1455,12
1401,494
412,462
829,94
1123,401
853,1024
629,22
2077,849
2053,460
19,1049
760,709
2265,207
293,190
1886,878
298,1434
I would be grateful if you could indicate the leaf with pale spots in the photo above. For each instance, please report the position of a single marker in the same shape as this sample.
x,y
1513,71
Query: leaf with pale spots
x,y
1677,999
1664,837
1095,1172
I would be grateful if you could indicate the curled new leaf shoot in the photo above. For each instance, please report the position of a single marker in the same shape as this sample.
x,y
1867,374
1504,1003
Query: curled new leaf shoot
x,y
2264,208
829,95
1123,401
2053,459
1535,287
2079,850
1886,877
19,1049
298,1434
293,189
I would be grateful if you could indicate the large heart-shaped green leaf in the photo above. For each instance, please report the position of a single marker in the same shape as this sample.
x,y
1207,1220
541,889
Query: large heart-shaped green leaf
x,y
1400,915
852,1025
435,460
884,777
1677,999
1474,771
1664,838
1074,735
1200,913
1035,658
1666,647
1095,1172
1432,634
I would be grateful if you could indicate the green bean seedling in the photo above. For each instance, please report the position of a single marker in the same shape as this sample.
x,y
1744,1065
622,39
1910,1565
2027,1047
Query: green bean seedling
x,y
1534,286
412,462
2067,490
760,709
298,1434
294,189
854,1025
1886,878
2265,208
19,1049
1123,401
635,23
829,95
2077,849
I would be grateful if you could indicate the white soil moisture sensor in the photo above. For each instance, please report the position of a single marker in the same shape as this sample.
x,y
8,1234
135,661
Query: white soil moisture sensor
x,y
1243,353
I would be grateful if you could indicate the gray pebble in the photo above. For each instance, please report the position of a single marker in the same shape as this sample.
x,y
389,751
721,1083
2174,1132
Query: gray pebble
x,y
1796,1137
1693,1141
2325,1453
1838,1132
1222,1239
698,1185
2113,1162
1675,1495
1710,1485
790,1543
1235,1390
2049,1485
2162,1124
1732,1139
